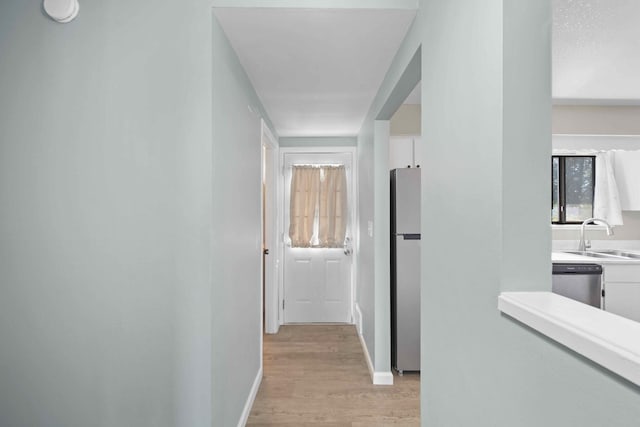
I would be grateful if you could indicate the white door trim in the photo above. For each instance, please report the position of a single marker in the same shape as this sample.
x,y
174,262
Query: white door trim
x,y
354,215
271,297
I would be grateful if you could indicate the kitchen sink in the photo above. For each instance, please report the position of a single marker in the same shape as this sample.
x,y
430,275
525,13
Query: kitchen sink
x,y
595,254
606,254
618,253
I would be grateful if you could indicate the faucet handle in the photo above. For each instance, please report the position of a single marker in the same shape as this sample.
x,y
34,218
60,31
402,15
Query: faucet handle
x,y
587,244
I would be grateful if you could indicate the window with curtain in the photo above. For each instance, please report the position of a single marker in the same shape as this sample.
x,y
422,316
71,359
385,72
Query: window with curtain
x,y
573,182
318,206
584,185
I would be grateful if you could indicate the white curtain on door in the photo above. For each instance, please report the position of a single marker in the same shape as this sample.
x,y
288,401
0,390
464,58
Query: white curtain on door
x,y
305,184
332,212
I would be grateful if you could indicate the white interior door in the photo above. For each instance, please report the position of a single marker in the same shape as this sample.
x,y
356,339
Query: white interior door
x,y
317,281
317,285
270,250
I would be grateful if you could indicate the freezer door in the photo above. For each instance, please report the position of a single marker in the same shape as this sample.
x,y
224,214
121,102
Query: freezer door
x,y
407,310
406,189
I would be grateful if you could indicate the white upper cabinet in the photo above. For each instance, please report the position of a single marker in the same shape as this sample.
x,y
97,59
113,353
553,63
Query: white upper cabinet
x,y
404,151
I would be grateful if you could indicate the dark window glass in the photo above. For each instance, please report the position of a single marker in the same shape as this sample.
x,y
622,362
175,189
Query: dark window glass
x,y
573,179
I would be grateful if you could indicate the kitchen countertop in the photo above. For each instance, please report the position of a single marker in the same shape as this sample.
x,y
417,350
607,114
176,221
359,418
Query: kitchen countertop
x,y
560,256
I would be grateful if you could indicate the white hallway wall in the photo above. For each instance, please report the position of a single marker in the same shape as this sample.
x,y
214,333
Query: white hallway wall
x,y
237,235
505,104
129,275
499,372
373,286
105,215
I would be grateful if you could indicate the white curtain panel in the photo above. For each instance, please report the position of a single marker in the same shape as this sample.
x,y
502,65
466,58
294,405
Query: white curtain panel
x,y
627,170
305,184
333,212
606,200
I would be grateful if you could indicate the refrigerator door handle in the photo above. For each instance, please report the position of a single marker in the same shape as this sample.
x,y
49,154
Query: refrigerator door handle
x,y
413,236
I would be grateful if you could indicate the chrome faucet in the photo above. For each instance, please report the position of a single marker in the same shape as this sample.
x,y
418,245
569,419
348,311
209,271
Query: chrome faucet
x,y
583,245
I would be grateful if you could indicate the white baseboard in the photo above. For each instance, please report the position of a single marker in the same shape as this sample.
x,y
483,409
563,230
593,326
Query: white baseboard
x,y
377,378
358,318
252,397
273,330
366,355
383,378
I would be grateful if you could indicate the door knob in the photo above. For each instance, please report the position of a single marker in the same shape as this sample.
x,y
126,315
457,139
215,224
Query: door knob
x,y
265,251
347,246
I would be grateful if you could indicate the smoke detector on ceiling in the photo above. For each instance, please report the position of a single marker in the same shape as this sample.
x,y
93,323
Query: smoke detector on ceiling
x,y
61,11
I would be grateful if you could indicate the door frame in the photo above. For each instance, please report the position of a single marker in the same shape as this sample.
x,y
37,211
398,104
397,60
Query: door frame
x,y
270,297
282,187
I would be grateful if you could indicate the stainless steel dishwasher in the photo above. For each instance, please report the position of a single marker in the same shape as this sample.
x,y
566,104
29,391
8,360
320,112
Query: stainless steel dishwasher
x,y
581,282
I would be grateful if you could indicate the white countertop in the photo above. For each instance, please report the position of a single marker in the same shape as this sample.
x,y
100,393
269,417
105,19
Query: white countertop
x,y
609,340
560,256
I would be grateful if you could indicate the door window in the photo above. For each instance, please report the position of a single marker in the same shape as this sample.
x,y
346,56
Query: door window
x,y
318,213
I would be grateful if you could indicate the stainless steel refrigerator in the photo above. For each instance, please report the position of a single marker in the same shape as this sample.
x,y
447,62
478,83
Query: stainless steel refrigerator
x,y
405,269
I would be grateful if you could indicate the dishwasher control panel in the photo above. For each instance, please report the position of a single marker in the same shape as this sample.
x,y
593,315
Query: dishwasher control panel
x,y
559,268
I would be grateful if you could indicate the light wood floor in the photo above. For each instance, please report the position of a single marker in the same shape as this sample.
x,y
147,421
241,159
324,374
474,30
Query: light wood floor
x,y
316,375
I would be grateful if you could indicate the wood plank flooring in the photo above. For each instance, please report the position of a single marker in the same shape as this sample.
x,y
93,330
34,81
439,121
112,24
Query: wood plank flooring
x,y
316,375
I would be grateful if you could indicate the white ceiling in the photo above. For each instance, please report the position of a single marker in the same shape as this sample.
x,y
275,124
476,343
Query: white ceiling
x,y
316,71
596,51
